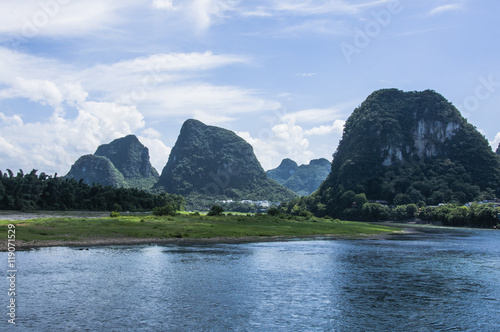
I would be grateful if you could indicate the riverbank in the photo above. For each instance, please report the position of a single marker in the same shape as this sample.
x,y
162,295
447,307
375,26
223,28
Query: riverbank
x,y
187,228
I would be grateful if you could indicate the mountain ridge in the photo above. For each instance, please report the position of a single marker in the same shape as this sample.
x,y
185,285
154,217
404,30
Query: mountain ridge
x,y
303,179
215,162
127,156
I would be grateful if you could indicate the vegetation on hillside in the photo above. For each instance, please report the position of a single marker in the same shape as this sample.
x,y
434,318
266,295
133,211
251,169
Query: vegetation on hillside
x,y
122,163
215,163
407,147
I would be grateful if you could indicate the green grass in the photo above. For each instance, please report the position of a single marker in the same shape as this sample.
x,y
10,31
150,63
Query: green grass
x,y
186,226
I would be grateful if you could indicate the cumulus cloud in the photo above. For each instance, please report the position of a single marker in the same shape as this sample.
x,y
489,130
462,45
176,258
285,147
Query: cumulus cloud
x,y
110,101
286,140
337,127
55,144
158,151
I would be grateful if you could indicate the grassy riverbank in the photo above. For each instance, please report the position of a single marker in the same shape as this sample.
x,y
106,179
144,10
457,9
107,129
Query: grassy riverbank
x,y
144,229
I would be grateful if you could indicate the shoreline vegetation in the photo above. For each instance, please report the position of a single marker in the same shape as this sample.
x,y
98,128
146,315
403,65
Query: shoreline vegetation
x,y
187,228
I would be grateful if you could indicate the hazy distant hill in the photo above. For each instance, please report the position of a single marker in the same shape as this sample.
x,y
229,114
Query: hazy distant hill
x,y
125,161
408,147
215,162
304,179
284,171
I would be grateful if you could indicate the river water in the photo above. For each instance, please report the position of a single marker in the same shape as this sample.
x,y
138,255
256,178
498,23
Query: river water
x,y
434,280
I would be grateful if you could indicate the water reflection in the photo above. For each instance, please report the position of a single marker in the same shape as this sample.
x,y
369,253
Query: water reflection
x,y
433,280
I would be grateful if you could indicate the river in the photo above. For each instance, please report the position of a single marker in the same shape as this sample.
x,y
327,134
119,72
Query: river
x,y
437,279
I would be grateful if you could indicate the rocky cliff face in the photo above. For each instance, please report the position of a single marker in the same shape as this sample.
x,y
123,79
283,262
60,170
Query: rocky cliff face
x,y
215,162
413,145
128,157
303,179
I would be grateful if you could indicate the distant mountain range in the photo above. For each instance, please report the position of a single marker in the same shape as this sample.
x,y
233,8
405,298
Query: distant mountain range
x,y
399,147
303,179
122,163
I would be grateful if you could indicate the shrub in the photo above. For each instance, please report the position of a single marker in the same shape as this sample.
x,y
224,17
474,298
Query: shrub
x,y
114,214
166,210
216,210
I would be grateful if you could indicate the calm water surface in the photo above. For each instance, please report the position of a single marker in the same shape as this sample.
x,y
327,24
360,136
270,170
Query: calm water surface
x,y
436,280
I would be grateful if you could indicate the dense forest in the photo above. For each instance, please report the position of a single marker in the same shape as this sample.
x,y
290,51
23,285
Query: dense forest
x,y
484,215
32,191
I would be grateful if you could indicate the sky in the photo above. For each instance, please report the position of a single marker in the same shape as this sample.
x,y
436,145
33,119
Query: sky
x,y
283,75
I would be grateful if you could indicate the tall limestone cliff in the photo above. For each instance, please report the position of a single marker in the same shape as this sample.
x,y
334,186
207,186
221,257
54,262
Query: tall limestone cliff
x,y
122,163
407,147
215,162
303,179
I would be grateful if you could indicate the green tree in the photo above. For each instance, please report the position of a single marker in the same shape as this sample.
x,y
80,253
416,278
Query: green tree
x,y
216,210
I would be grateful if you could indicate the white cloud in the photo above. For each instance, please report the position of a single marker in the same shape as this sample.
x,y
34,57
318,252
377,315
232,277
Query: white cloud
x,y
204,13
107,104
337,127
216,102
43,91
158,151
495,142
287,141
316,115
307,74
164,4
446,8
32,18
318,7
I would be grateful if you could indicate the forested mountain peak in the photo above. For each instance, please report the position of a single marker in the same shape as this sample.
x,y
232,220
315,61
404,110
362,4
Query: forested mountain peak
x,y
410,147
215,162
498,149
96,169
127,156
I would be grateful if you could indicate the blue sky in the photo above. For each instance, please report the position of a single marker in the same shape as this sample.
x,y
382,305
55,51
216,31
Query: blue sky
x,y
284,75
